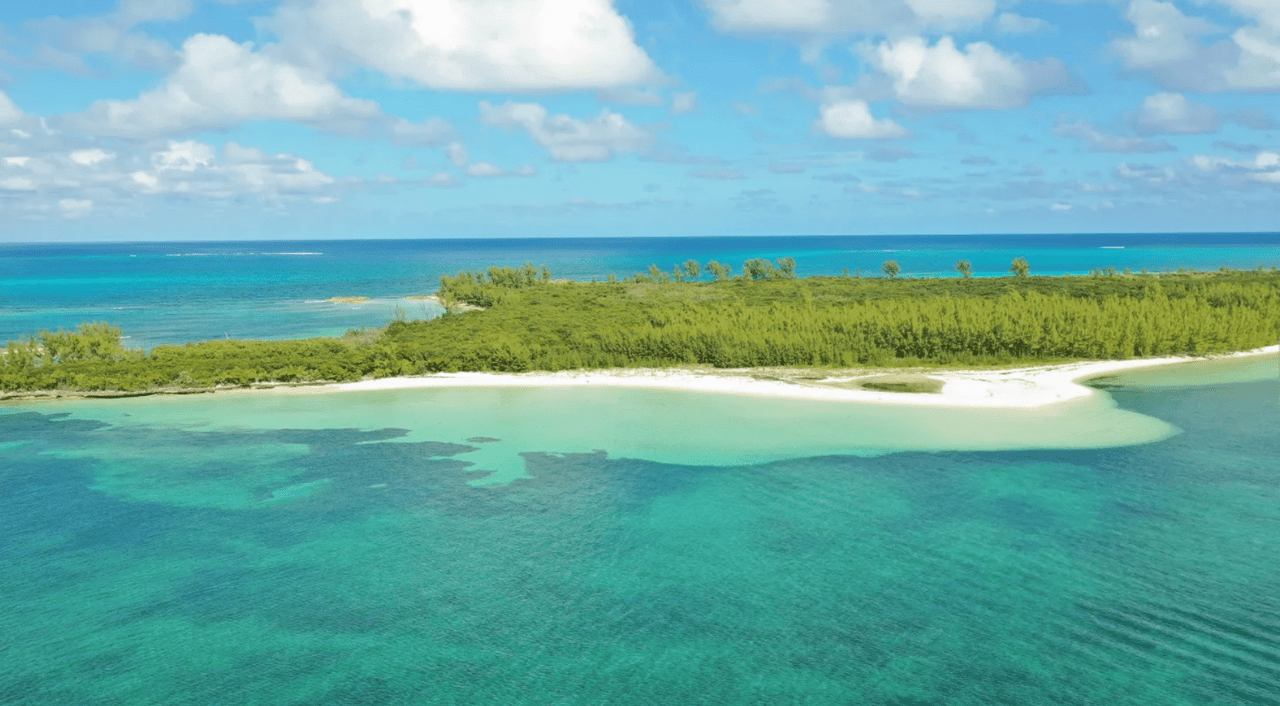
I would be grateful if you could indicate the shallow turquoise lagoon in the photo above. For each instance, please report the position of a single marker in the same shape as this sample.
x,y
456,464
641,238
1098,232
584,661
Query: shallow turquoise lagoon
x,y
527,547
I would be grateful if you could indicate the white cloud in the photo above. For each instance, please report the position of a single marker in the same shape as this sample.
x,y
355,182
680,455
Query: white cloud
x,y
525,170
113,34
184,156
682,103
17,184
1011,23
1258,67
1264,167
1061,207
457,154
220,84
484,169
828,18
75,208
1162,35
943,76
433,131
442,179
9,112
474,45
90,157
1104,142
1169,47
1173,113
568,139
1145,173
194,168
853,119
146,180
60,177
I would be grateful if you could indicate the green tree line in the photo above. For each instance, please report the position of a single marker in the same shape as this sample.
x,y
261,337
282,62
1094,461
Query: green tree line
x,y
766,316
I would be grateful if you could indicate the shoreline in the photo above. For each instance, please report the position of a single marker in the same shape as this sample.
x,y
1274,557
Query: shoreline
x,y
1027,387
1016,388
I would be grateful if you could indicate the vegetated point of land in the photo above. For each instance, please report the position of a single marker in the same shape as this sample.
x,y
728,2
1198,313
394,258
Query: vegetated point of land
x,y
520,319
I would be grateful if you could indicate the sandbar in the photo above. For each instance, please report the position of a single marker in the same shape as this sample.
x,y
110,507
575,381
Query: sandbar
x,y
1013,388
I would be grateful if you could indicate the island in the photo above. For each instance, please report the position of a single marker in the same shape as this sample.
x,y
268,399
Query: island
x,y
1019,340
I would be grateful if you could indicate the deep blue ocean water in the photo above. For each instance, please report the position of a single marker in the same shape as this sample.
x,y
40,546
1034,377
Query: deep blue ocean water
x,y
179,292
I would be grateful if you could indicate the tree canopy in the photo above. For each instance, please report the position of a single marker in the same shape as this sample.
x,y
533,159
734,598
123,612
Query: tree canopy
x,y
532,322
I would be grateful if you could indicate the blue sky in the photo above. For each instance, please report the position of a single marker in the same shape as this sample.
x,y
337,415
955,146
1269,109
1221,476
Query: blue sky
x,y
265,119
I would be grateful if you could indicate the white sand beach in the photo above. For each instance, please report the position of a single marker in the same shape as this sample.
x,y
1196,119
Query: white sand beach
x,y
1015,388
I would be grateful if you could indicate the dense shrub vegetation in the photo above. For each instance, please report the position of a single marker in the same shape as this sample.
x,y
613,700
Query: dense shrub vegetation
x,y
764,317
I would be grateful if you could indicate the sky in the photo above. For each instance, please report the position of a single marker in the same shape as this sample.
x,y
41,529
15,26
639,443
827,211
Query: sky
x,y
310,119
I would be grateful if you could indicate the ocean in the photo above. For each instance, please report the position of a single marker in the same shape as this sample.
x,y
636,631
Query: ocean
x,y
620,546
167,293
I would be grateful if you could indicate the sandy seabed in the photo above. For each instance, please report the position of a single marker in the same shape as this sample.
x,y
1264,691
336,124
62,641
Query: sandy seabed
x,y
1029,387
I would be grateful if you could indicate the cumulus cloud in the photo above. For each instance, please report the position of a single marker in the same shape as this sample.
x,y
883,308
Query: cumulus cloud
x,y
569,139
1104,142
457,154
220,84
1170,47
944,76
853,119
55,178
192,167
1263,167
442,179
66,41
829,18
474,45
1173,113
1146,174
1162,35
75,208
90,157
10,113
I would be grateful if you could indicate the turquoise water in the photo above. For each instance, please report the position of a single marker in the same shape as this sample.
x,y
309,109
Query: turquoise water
x,y
179,292
338,549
